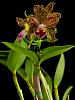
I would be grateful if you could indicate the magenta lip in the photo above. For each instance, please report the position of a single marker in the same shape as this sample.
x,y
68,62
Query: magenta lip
x,y
40,34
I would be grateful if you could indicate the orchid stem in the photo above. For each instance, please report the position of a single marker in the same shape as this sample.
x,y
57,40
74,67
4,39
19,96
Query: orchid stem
x,y
68,97
37,87
30,88
56,93
19,91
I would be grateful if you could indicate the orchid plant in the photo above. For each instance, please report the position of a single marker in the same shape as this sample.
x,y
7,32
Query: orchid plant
x,y
37,28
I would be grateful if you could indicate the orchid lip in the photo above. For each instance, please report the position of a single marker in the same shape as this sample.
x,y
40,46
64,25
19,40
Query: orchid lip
x,y
41,25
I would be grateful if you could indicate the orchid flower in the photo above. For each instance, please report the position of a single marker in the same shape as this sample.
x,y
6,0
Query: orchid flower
x,y
42,24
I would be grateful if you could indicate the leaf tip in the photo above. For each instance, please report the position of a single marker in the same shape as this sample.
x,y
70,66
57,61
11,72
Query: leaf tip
x,y
3,42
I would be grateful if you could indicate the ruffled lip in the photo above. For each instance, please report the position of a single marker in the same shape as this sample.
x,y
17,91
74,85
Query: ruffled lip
x,y
40,34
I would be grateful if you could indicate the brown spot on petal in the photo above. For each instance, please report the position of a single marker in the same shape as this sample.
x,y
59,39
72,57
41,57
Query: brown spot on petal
x,y
40,12
52,19
49,7
32,20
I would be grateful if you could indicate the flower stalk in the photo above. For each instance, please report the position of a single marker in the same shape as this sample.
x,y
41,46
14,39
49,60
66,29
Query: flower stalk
x,y
37,87
68,97
19,91
56,93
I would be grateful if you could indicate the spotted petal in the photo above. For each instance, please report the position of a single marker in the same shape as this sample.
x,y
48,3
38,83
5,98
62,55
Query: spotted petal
x,y
49,7
32,20
40,12
51,35
20,21
52,19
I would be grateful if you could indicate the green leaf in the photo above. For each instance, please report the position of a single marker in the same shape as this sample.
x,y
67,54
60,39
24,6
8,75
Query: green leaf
x,y
59,71
3,57
67,92
53,51
22,73
23,44
15,59
48,78
4,53
23,51
3,62
29,68
46,90
45,97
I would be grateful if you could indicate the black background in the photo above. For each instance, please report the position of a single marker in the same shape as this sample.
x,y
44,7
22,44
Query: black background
x,y
66,35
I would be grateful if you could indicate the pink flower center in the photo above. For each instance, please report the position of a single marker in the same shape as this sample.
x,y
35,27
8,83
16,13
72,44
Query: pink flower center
x,y
41,31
